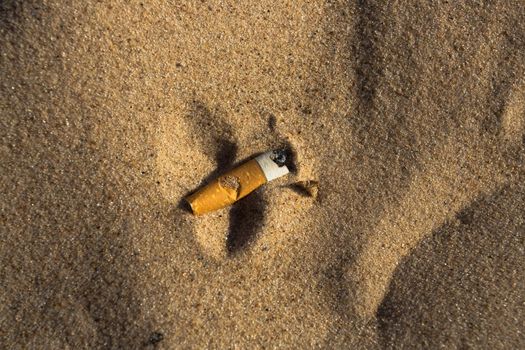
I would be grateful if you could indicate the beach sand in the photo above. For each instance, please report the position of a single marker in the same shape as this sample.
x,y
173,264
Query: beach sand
x,y
410,115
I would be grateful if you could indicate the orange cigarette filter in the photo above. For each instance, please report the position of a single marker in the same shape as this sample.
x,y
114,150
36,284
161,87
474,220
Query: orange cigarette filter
x,y
238,183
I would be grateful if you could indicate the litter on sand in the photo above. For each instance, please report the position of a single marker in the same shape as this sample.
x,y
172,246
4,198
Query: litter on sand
x,y
238,182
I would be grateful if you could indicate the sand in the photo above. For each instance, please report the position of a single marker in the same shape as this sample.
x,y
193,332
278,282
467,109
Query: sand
x,y
409,115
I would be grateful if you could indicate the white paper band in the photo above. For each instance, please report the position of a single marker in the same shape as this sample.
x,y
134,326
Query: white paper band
x,y
270,168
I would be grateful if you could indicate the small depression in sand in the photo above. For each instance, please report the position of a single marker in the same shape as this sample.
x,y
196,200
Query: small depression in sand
x,y
196,145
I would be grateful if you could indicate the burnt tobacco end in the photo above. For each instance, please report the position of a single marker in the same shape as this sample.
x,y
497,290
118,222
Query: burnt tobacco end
x,y
279,157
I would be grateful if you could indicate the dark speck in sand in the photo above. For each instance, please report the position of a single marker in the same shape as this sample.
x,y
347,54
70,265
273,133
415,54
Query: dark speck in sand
x,y
155,338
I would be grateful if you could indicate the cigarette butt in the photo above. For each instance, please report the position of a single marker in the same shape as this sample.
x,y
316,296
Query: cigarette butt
x,y
239,182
